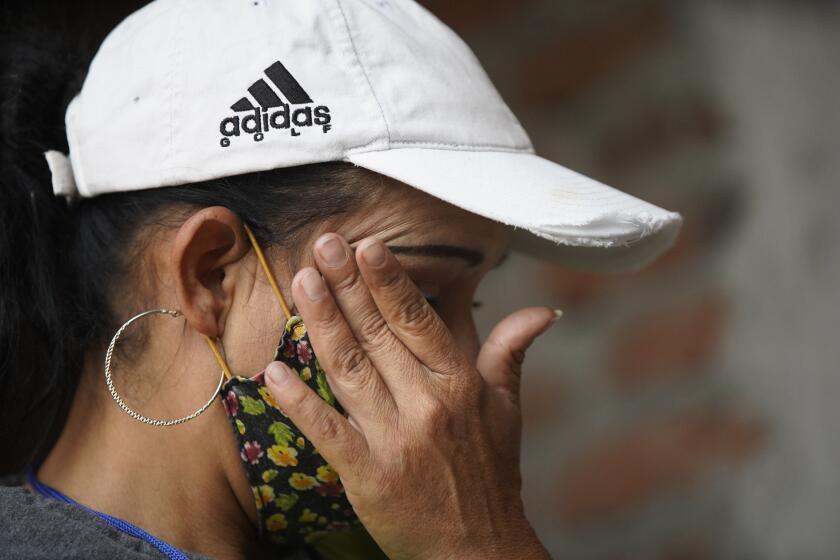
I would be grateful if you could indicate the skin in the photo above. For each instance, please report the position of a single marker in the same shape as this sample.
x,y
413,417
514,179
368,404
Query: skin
x,y
430,407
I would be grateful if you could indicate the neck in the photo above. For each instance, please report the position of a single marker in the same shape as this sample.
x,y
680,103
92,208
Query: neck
x,y
173,482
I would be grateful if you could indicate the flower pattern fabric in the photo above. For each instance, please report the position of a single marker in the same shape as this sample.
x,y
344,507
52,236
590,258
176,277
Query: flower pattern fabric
x,y
299,496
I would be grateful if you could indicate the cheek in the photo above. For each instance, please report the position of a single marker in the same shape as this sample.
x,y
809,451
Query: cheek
x,y
251,336
456,310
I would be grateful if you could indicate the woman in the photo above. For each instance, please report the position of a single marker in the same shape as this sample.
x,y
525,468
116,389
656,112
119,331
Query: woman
x,y
230,162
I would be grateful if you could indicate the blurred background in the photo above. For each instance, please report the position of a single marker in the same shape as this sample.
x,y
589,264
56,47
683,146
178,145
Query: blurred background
x,y
688,411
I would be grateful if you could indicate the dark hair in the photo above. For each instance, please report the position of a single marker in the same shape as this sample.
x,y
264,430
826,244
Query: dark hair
x,y
60,264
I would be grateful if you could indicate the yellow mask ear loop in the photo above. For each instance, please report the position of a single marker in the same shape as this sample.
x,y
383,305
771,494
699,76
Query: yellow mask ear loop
x,y
271,280
268,273
219,357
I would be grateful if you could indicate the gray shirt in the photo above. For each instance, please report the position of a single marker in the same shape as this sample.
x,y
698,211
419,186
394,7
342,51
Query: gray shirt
x,y
35,527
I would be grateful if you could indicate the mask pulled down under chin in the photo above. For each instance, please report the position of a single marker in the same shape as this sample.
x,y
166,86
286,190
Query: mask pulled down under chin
x,y
299,496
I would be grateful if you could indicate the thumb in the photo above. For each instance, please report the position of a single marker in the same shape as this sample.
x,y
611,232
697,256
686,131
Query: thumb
x,y
501,357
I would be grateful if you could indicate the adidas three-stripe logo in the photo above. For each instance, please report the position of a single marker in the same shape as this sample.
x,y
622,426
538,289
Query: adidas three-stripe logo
x,y
270,112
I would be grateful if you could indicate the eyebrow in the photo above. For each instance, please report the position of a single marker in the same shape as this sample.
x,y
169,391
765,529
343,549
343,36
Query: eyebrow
x,y
470,256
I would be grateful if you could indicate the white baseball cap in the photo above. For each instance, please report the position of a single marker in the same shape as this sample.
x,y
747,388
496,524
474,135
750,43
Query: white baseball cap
x,y
189,90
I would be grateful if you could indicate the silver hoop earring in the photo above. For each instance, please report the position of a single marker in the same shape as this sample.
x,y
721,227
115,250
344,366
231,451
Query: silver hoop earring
x,y
110,383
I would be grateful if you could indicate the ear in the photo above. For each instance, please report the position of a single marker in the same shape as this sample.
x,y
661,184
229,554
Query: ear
x,y
206,249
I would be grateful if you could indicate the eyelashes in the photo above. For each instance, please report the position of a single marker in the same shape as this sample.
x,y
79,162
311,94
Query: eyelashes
x,y
433,301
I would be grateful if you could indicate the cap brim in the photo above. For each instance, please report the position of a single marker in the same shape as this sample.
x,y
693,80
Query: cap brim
x,y
569,218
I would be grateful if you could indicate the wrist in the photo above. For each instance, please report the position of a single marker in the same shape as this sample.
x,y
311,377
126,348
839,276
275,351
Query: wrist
x,y
520,542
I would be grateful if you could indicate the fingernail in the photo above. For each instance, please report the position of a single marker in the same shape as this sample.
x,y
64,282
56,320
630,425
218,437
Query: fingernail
x,y
557,314
313,285
332,251
277,373
374,254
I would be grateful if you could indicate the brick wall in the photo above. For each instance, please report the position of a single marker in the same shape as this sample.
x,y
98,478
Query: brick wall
x,y
661,421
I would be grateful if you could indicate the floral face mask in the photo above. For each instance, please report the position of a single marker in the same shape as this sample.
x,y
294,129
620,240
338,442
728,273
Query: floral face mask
x,y
299,497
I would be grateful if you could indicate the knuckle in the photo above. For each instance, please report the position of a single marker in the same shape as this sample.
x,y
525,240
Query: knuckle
x,y
518,358
298,402
331,429
450,362
512,358
357,377
416,315
350,361
328,316
349,282
434,415
391,279
514,362
372,327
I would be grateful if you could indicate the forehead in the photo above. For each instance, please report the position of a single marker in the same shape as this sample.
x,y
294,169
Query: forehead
x,y
399,214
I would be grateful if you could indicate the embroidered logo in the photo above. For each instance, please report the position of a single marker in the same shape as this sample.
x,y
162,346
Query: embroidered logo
x,y
270,112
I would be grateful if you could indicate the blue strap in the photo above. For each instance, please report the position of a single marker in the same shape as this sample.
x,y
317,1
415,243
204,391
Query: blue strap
x,y
120,525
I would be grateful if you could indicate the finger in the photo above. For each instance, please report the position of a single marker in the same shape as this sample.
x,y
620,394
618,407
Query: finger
x,y
331,433
409,315
385,351
351,375
501,357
